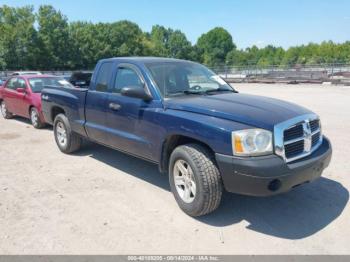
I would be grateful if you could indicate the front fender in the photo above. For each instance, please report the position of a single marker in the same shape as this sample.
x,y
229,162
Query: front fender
x,y
212,131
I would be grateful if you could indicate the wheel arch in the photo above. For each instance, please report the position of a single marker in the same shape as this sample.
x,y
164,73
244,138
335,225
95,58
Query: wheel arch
x,y
56,110
173,141
30,108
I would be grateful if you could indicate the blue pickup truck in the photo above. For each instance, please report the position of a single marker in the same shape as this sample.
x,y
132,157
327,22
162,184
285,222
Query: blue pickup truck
x,y
196,127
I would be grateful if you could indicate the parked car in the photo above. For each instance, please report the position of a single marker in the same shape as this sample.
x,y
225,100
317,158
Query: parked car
x,y
21,96
20,73
2,83
1,88
67,77
195,126
80,79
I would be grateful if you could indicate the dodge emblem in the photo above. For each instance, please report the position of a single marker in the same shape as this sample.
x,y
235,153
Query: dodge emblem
x,y
307,136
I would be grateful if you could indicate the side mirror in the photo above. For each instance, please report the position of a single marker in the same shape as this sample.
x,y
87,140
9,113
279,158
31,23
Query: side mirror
x,y
21,90
136,92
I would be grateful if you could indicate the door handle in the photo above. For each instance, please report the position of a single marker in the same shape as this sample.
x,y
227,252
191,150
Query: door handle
x,y
114,106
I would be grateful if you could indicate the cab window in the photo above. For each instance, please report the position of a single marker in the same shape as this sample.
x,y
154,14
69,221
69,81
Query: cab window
x,y
21,83
126,77
103,77
11,84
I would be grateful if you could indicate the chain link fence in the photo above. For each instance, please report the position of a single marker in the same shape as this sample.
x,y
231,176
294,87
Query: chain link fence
x,y
335,73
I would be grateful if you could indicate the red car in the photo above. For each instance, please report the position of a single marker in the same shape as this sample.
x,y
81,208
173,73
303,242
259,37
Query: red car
x,y
1,87
21,95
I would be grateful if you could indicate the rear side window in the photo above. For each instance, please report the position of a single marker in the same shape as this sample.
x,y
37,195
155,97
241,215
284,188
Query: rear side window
x,y
38,83
126,77
21,83
103,77
12,83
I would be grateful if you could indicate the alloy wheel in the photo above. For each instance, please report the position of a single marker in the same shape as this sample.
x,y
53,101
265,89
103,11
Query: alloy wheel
x,y
34,117
3,109
61,134
184,181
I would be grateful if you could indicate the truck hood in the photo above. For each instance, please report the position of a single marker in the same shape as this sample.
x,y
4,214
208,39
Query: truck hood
x,y
256,111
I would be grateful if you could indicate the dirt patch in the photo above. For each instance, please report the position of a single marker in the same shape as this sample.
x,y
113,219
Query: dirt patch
x,y
9,136
35,141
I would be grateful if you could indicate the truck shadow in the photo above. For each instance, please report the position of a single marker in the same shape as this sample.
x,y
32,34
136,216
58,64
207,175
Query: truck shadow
x,y
297,214
26,121
128,164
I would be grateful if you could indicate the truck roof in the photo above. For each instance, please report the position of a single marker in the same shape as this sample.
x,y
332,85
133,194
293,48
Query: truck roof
x,y
143,60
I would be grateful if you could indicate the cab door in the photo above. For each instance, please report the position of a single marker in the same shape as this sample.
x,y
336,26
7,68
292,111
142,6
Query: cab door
x,y
96,104
127,127
20,101
9,95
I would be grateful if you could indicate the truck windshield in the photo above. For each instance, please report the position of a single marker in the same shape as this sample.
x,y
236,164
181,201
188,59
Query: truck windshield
x,y
38,83
186,78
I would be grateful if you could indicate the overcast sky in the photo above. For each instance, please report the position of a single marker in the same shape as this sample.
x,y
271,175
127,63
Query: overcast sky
x,y
260,22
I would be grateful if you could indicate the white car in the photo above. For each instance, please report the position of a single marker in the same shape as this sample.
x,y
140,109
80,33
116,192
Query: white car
x,y
19,73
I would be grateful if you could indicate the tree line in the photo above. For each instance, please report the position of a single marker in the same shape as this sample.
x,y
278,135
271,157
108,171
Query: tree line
x,y
46,40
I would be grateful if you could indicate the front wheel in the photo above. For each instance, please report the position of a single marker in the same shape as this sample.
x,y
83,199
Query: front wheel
x,y
195,179
35,118
66,140
5,113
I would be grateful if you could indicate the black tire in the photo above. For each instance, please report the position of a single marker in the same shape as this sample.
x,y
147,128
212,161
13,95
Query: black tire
x,y
206,176
73,141
35,120
5,113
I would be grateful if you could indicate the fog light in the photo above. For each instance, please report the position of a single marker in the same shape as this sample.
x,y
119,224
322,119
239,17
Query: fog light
x,y
275,185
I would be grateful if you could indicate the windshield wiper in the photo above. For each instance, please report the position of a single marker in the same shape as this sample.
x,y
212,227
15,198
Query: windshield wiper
x,y
185,92
193,92
220,90
190,92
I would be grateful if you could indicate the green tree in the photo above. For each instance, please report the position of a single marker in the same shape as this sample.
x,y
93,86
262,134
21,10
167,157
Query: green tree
x,y
92,42
57,44
126,39
237,58
83,45
169,43
178,45
159,38
55,47
214,46
291,56
3,64
18,41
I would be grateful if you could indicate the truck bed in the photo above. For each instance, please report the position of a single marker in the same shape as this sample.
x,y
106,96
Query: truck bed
x,y
72,100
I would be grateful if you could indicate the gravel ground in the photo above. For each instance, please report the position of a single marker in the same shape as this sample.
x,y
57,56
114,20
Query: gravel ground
x,y
100,201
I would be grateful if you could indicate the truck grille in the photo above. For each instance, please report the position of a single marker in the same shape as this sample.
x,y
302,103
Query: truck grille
x,y
314,125
294,149
298,138
316,139
293,132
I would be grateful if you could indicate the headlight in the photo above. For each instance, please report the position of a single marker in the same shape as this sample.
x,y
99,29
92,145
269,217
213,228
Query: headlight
x,y
252,142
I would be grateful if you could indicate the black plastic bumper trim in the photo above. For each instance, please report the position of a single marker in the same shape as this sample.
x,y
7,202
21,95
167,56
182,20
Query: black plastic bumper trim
x,y
254,175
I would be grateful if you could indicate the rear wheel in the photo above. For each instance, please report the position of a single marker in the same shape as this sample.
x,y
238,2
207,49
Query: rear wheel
x,y
35,119
5,113
195,179
66,140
